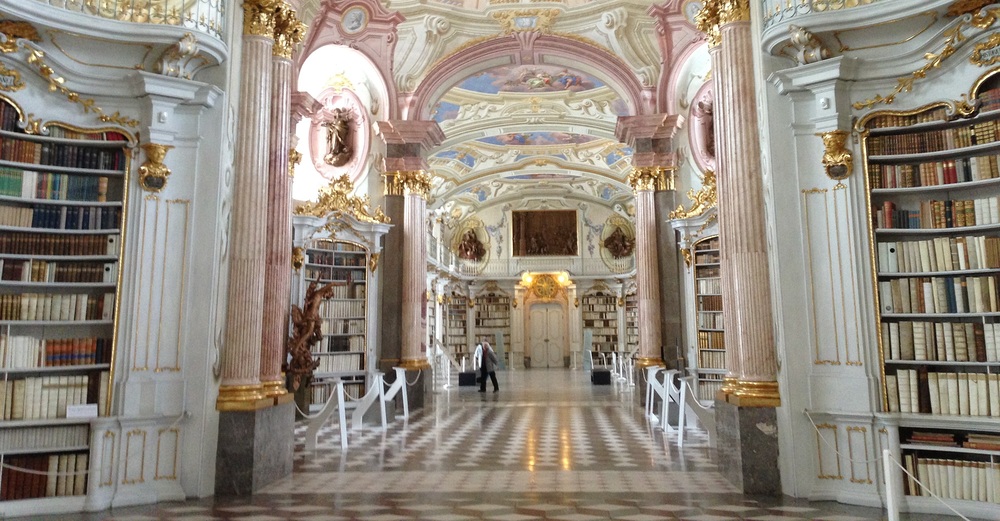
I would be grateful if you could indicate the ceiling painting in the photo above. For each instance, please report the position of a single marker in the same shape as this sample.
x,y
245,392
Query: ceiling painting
x,y
537,139
530,78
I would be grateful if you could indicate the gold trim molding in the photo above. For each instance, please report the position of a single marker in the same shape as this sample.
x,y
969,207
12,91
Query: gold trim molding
x,y
260,17
242,398
418,364
652,178
335,198
753,394
648,361
153,173
982,20
702,199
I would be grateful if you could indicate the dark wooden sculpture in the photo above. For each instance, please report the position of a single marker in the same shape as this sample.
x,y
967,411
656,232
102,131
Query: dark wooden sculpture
x,y
306,331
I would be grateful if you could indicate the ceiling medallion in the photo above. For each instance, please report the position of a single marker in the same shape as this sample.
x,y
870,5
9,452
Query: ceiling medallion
x,y
525,20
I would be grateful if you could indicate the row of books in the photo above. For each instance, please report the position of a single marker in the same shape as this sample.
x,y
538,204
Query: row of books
x,y
930,392
934,173
492,322
338,246
941,341
709,286
338,344
952,478
57,307
61,154
49,271
331,274
711,340
342,309
488,310
711,244
939,295
939,254
329,258
27,243
707,258
712,359
65,133
969,440
934,140
710,320
340,362
48,397
29,184
952,213
28,352
598,308
900,120
44,475
44,437
708,386
710,302
9,117
335,326
603,322
62,217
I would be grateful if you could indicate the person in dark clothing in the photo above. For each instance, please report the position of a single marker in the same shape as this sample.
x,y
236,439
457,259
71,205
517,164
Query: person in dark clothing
x,y
488,367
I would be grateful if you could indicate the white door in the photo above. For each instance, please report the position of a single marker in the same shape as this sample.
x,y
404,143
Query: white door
x,y
547,337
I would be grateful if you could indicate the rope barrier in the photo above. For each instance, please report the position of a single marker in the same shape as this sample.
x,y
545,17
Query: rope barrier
x,y
415,378
313,416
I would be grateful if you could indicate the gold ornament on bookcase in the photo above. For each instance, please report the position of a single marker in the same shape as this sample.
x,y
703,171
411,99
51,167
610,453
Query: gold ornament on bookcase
x,y
298,258
838,162
987,53
153,173
373,262
294,158
701,200
686,252
576,302
10,80
335,198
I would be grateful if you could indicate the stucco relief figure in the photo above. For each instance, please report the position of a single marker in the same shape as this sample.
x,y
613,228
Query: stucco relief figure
x,y
338,150
471,248
619,244
306,331
703,128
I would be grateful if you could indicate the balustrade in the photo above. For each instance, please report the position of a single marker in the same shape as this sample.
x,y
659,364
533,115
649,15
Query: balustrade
x,y
200,15
783,11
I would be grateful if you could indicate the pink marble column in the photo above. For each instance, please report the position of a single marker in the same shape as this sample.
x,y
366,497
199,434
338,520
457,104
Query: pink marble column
x,y
277,277
652,137
416,186
747,314
241,388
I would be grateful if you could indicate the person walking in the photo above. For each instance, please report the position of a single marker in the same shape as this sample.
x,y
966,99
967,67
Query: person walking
x,y
488,367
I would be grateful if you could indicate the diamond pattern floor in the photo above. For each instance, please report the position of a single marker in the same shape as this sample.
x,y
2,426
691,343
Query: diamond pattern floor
x,y
549,445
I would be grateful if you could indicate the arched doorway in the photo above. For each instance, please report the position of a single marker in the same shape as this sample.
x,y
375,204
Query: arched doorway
x,y
547,335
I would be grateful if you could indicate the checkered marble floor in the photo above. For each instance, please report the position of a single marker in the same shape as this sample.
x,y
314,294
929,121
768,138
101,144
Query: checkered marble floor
x,y
549,445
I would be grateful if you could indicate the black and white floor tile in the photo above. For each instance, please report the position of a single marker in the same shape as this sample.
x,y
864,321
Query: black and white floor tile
x,y
549,445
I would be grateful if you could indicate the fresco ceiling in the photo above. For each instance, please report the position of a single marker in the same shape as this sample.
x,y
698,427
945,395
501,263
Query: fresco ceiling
x,y
529,130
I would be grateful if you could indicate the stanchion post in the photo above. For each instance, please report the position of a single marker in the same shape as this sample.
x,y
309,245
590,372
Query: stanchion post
x,y
891,486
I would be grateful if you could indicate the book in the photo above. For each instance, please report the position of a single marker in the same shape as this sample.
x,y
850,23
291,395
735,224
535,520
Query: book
x,y
934,392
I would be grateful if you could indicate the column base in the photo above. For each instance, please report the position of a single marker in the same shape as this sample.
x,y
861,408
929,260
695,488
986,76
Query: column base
x,y
242,398
254,449
747,447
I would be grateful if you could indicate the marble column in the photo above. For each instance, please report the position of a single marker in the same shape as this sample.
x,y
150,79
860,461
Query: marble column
x,y
407,186
746,418
241,388
651,138
277,276
255,440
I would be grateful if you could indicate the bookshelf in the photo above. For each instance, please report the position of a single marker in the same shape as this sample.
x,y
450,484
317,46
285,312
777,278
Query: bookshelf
x,y
342,353
431,321
492,317
933,186
456,332
61,206
599,312
631,322
710,362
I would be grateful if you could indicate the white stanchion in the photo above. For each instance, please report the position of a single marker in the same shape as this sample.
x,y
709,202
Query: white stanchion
x,y
891,486
336,403
375,392
653,388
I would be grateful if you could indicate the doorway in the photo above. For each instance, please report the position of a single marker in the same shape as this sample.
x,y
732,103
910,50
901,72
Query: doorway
x,y
547,335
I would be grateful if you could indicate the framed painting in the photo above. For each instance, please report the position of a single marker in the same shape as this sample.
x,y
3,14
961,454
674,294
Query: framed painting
x,y
544,233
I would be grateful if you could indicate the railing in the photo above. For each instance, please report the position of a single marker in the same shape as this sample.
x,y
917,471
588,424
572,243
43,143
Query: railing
x,y
574,265
778,11
206,16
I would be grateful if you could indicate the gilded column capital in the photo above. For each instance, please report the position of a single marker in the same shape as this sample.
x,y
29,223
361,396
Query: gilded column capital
x,y
731,11
652,178
716,13
415,182
289,31
260,16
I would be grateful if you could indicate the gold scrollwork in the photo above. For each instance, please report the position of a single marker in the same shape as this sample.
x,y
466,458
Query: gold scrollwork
x,y
953,36
298,258
967,6
373,262
523,20
153,173
289,31
334,198
14,31
837,160
10,79
294,158
652,178
987,53
686,252
701,200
